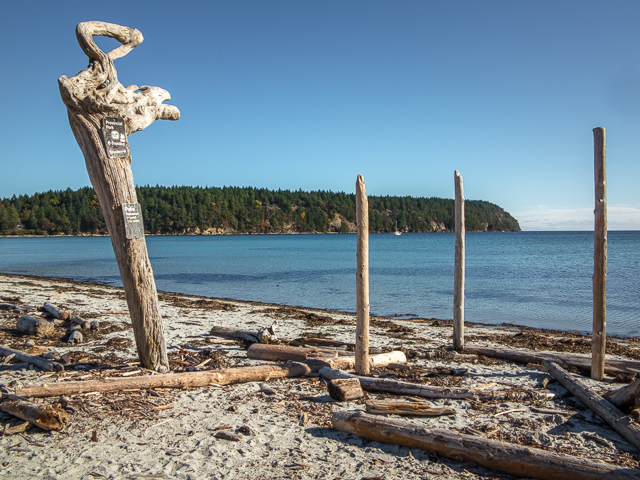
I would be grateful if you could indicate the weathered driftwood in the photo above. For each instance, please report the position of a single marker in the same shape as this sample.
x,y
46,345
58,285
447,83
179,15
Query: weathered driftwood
x,y
458,276
47,417
362,279
599,333
625,397
226,376
609,413
233,334
513,459
406,408
75,337
320,342
345,389
574,359
20,428
55,311
91,97
32,359
34,325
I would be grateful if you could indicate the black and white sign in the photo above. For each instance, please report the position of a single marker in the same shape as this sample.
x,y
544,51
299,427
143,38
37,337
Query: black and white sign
x,y
133,220
115,137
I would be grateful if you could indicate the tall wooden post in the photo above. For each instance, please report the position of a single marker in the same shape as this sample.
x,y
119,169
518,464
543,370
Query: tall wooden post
x,y
458,276
599,335
362,279
102,113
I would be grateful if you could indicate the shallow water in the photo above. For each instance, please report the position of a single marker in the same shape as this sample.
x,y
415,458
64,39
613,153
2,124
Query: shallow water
x,y
539,279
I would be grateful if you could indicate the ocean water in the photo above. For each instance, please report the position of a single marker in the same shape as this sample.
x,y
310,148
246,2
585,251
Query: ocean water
x,y
538,279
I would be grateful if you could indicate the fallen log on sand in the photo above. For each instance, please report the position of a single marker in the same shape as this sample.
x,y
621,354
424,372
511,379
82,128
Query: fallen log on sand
x,y
32,359
225,376
345,389
282,352
47,417
514,459
611,415
625,397
232,334
55,311
574,359
406,408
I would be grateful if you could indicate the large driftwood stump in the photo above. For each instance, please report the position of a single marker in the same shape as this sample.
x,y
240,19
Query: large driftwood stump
x,y
95,99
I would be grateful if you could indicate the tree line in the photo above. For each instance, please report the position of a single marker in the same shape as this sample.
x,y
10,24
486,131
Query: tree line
x,y
179,210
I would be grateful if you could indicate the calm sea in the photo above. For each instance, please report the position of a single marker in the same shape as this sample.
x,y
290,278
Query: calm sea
x,y
539,279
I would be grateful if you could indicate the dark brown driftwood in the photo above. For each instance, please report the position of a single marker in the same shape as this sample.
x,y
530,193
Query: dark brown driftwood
x,y
610,414
407,408
573,359
47,417
345,389
513,459
225,376
624,397
32,359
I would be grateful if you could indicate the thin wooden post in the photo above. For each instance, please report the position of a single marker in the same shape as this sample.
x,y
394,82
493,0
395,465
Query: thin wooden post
x,y
362,279
102,114
458,276
599,335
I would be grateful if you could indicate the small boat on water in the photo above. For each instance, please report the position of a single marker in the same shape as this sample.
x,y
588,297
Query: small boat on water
x,y
397,232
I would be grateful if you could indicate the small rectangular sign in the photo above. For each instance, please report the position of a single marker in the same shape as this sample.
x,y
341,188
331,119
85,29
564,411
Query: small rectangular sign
x,y
133,225
115,137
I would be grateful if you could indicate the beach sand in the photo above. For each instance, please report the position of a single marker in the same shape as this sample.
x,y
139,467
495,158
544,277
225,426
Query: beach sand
x,y
137,438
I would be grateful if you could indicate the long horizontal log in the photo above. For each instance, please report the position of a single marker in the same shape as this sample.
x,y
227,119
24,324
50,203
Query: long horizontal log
x,y
32,359
574,359
610,414
513,459
420,409
55,311
232,334
47,417
225,376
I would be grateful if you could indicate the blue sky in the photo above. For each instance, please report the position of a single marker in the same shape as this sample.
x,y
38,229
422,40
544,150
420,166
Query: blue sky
x,y
308,94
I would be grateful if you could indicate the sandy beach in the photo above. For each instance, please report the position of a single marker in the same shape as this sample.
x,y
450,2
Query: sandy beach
x,y
284,425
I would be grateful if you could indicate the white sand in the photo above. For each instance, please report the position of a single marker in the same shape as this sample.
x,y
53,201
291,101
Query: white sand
x,y
180,442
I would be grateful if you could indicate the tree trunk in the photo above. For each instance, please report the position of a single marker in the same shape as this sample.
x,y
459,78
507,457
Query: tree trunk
x,y
458,276
610,414
599,333
225,376
513,459
94,97
47,417
362,279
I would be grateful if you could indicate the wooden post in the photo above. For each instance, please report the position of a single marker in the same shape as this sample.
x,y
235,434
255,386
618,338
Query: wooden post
x,y
458,276
102,113
362,279
599,336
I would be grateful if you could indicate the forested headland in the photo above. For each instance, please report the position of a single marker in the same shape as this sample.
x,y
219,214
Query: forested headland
x,y
228,210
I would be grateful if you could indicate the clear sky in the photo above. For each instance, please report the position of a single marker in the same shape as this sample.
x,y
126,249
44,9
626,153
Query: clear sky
x,y
307,94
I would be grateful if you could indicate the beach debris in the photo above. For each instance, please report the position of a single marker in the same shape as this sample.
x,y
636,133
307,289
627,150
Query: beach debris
x,y
59,295
94,436
226,376
227,435
74,327
75,337
491,454
322,342
10,307
230,333
406,408
268,335
246,430
94,325
20,428
345,389
572,359
303,418
55,311
609,413
46,417
44,364
625,397
34,325
266,389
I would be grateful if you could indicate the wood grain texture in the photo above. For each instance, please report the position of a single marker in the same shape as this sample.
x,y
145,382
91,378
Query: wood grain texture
x,y
32,359
514,459
90,96
599,334
458,278
362,279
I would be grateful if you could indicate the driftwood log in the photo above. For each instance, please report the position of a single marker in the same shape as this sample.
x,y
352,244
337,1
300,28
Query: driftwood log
x,y
47,417
345,389
407,408
513,459
55,311
34,325
599,332
625,397
95,99
574,359
458,275
362,279
226,376
320,342
610,414
39,362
